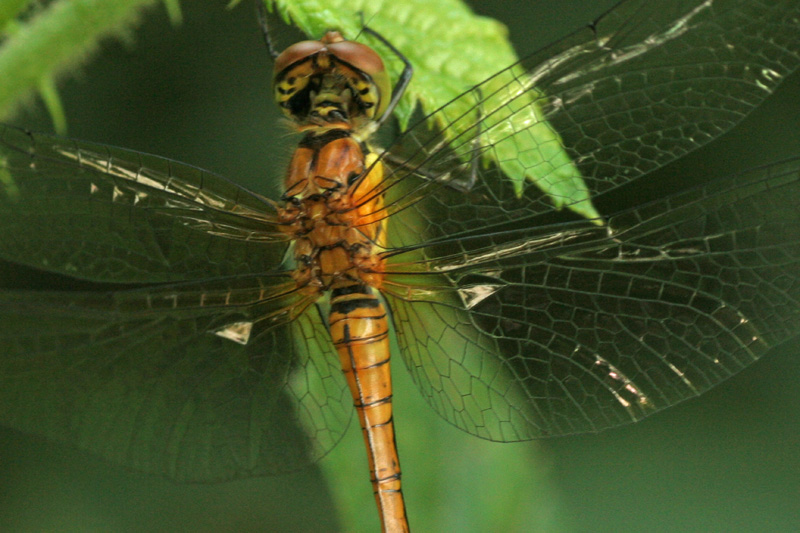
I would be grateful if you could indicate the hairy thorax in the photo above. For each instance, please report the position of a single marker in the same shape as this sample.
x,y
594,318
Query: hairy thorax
x,y
333,213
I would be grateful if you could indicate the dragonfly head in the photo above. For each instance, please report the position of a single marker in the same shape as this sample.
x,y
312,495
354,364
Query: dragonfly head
x,y
332,83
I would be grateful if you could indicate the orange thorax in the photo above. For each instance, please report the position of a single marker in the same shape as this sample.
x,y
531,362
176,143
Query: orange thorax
x,y
333,213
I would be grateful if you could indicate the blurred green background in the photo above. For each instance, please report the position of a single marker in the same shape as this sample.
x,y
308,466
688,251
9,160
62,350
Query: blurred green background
x,y
200,93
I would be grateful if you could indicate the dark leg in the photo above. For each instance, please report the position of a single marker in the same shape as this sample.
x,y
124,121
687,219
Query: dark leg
x,y
261,10
402,81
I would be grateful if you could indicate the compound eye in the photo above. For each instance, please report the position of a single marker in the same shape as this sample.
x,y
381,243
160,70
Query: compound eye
x,y
367,61
296,53
358,55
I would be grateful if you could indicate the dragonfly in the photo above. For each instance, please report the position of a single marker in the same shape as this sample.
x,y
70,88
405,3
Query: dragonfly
x,y
191,344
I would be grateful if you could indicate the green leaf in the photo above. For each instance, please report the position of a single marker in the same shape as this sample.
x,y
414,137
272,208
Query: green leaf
x,y
452,50
55,40
10,9
8,186
49,94
174,13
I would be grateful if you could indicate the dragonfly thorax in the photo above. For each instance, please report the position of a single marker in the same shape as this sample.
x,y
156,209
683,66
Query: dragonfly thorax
x,y
332,219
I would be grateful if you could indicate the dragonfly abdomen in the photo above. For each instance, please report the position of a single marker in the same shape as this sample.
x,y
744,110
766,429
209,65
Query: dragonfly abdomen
x,y
360,332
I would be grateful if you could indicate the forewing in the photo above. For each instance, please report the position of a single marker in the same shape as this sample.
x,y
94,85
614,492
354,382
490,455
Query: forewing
x,y
596,327
644,85
197,382
106,214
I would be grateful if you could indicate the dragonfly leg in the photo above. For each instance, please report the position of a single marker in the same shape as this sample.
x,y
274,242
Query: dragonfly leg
x,y
402,82
261,11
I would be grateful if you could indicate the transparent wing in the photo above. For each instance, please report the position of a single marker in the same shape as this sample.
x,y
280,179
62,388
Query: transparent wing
x,y
644,85
202,381
107,214
538,332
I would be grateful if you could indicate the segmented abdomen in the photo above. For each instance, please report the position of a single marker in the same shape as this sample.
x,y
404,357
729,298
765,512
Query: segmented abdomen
x,y
360,332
